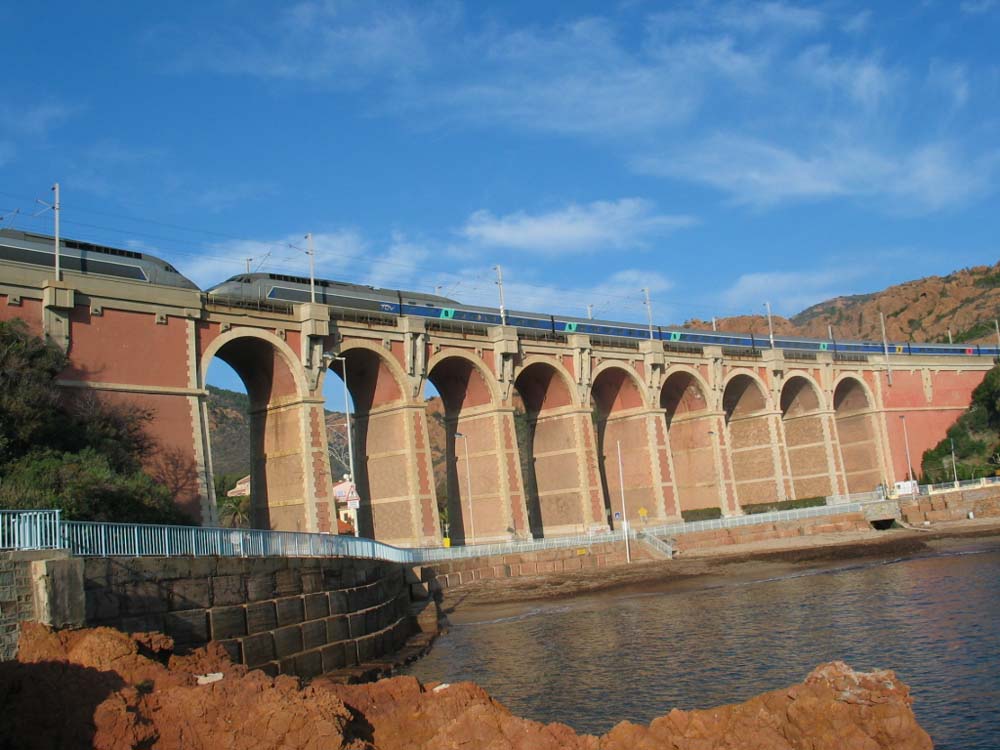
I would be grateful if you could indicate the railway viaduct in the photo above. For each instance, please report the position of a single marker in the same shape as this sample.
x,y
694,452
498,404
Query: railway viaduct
x,y
698,427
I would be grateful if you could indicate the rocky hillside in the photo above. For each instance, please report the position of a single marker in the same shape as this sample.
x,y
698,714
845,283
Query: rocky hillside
x,y
965,301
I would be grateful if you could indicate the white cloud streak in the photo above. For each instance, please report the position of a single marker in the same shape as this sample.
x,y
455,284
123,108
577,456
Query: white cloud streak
x,y
623,224
762,174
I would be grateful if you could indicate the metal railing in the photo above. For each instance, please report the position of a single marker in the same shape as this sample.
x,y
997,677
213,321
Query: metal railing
x,y
89,538
777,516
922,490
29,529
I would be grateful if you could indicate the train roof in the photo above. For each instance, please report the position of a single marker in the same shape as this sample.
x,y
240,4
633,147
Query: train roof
x,y
334,284
43,243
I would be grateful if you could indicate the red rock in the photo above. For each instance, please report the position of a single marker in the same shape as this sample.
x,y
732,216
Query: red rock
x,y
104,689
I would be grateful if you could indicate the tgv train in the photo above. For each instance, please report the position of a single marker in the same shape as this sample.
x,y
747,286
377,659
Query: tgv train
x,y
86,258
296,289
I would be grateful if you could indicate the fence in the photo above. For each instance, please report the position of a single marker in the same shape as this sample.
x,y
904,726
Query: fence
x,y
45,530
923,489
29,529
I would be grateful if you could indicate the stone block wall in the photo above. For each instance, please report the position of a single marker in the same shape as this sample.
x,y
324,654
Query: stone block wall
x,y
302,616
844,522
983,502
16,600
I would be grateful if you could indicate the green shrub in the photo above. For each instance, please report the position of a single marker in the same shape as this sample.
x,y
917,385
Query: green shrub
x,y
701,514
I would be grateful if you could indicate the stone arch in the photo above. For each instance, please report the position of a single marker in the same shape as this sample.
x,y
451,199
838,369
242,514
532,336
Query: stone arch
x,y
807,440
854,415
275,383
381,436
546,417
685,400
620,412
478,440
752,439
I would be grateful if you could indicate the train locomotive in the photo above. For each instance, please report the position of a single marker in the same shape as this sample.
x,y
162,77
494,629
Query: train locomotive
x,y
87,258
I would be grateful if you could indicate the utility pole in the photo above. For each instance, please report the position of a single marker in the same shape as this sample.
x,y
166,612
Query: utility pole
x,y
954,466
621,484
885,348
590,312
649,311
997,327
312,270
249,261
949,337
714,326
55,210
829,332
503,310
909,464
770,326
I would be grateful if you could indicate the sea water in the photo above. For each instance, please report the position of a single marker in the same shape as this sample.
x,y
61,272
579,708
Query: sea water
x,y
592,661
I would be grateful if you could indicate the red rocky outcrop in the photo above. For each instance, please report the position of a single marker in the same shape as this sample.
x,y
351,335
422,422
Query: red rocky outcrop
x,y
102,688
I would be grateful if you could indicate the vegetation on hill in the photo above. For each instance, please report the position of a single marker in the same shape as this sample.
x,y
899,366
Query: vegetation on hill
x,y
72,452
964,302
975,436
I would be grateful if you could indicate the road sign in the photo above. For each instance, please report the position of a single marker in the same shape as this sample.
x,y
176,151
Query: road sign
x,y
643,512
353,504
618,516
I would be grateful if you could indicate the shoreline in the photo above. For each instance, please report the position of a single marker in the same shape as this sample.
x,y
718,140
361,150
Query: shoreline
x,y
708,567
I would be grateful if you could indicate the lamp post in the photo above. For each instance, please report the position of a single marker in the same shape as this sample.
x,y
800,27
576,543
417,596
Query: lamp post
x,y
954,466
350,438
909,465
468,482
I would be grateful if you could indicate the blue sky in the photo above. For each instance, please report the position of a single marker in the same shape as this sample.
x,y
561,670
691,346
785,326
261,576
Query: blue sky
x,y
721,154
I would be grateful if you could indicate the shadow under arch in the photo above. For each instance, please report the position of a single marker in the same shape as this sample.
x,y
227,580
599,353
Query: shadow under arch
x,y
854,417
745,405
616,391
277,454
469,397
691,426
548,447
802,417
379,435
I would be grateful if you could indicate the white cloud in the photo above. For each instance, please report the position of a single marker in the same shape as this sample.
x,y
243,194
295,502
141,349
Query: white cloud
x,y
399,265
789,292
951,79
339,255
341,44
858,23
863,80
35,119
978,7
223,197
620,224
761,174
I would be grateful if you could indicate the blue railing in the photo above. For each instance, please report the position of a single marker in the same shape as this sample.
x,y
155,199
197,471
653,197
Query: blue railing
x,y
29,529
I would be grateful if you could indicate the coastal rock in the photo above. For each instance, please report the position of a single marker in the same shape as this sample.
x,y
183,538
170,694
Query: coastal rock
x,y
102,688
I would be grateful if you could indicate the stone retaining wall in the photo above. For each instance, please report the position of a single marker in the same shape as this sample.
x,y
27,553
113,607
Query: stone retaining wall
x,y
302,616
16,600
951,506
764,531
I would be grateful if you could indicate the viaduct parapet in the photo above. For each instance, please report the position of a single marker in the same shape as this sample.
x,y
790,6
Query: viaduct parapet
x,y
698,427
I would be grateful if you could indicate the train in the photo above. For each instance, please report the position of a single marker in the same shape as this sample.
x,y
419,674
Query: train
x,y
88,258
280,289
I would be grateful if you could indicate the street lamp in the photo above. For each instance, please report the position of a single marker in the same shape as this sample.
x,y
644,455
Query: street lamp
x,y
350,438
468,481
909,465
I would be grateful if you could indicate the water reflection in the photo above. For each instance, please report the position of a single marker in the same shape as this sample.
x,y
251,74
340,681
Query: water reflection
x,y
595,661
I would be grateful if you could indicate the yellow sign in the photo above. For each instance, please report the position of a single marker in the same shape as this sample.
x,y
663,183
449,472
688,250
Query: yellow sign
x,y
643,512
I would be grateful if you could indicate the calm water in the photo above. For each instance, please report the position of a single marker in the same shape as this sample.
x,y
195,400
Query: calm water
x,y
591,662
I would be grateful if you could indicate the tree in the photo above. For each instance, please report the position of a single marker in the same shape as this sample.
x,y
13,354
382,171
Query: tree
x,y
75,453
